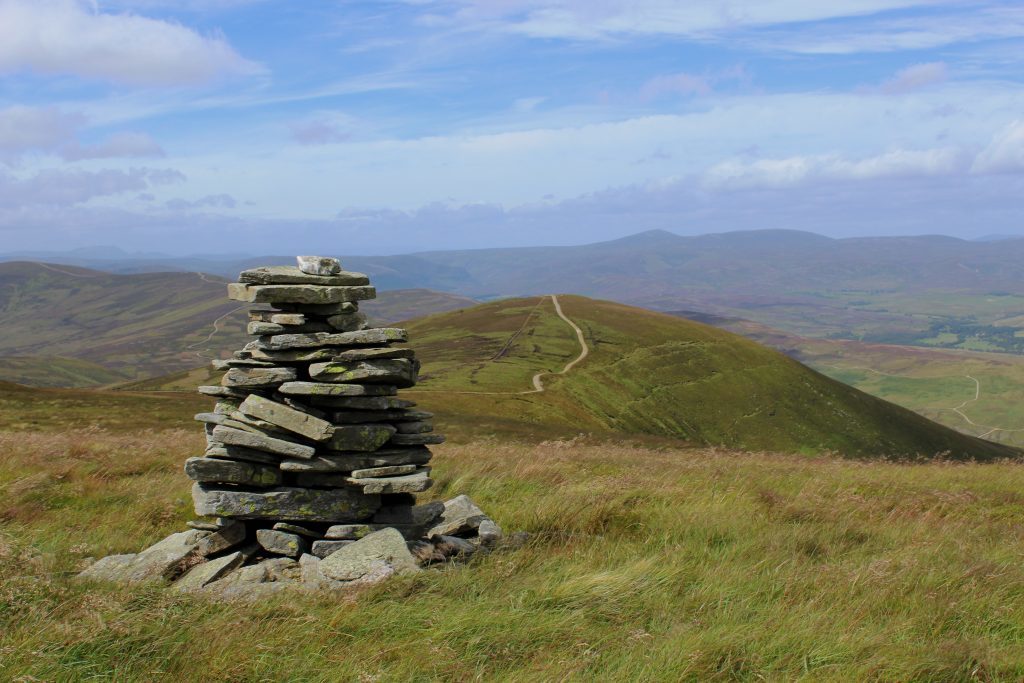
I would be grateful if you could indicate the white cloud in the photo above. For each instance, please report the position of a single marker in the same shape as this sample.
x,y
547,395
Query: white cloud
x,y
594,19
56,187
1005,154
915,77
674,84
791,171
71,37
119,145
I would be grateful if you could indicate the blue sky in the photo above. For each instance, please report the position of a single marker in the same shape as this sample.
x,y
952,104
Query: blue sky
x,y
257,126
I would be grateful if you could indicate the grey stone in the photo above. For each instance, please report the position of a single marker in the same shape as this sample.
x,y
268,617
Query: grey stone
x,y
401,372
460,515
347,322
260,328
281,542
360,438
347,462
261,442
373,354
203,525
240,420
296,529
258,378
208,572
387,471
226,452
286,504
231,472
318,389
322,549
298,404
489,532
211,418
298,294
416,439
294,355
290,275
376,335
318,265
163,561
362,402
347,532
239,363
231,533
367,557
223,392
414,427
287,418
410,483
309,566
226,406
277,318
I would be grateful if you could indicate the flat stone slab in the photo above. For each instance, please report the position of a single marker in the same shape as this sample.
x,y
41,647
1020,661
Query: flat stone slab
x,y
260,328
401,372
287,418
163,561
277,318
347,532
208,470
222,392
318,265
348,462
387,471
418,427
412,483
360,438
293,355
460,515
376,335
239,363
372,354
258,378
320,389
261,442
286,504
321,310
281,542
296,529
227,452
371,555
230,534
290,275
206,573
298,294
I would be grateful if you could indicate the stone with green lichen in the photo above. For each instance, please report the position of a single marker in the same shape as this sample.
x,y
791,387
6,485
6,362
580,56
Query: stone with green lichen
x,y
286,504
360,438
377,335
332,390
401,372
298,294
281,542
232,472
287,418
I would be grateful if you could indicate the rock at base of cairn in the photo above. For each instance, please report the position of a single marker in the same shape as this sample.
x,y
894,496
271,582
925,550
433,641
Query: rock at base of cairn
x,y
312,462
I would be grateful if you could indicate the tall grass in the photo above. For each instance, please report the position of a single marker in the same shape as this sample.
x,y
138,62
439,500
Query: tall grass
x,y
643,564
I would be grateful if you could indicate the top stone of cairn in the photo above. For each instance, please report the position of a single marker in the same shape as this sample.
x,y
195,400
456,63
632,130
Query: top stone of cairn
x,y
318,265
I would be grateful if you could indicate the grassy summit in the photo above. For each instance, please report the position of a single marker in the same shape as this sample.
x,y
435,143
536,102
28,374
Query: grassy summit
x,y
650,373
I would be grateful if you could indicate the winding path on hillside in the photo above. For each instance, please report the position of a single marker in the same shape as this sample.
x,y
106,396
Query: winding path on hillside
x,y
215,330
64,272
538,381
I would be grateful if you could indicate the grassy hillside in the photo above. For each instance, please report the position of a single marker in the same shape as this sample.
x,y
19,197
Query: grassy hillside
x,y
643,564
650,373
105,328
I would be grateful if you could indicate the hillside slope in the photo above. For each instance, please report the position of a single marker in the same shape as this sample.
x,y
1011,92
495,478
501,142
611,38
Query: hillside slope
x,y
650,373
105,328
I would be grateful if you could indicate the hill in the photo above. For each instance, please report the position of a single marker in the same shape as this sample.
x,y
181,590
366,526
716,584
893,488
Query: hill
x,y
656,374
923,290
103,327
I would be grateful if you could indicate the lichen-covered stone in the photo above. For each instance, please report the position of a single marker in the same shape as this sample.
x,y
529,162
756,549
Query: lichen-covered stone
x,y
401,372
290,275
320,389
347,462
298,294
381,550
286,504
281,542
232,472
257,378
411,483
262,442
208,572
360,438
287,418
376,335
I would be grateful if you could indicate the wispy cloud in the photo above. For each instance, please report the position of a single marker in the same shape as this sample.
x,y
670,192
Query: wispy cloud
x,y
915,77
72,37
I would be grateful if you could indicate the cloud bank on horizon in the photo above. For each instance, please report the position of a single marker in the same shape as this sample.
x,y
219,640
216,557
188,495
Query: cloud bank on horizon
x,y
373,126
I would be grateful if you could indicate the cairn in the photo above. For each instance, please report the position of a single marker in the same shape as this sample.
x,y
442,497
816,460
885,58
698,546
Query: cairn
x,y
312,461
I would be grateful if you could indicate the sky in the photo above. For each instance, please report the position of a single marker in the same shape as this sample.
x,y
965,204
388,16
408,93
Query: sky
x,y
390,126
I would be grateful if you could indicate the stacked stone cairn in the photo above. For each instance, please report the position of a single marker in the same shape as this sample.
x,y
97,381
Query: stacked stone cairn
x,y
312,461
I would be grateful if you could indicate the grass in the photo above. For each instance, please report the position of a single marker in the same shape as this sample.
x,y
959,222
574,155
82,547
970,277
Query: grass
x,y
643,564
